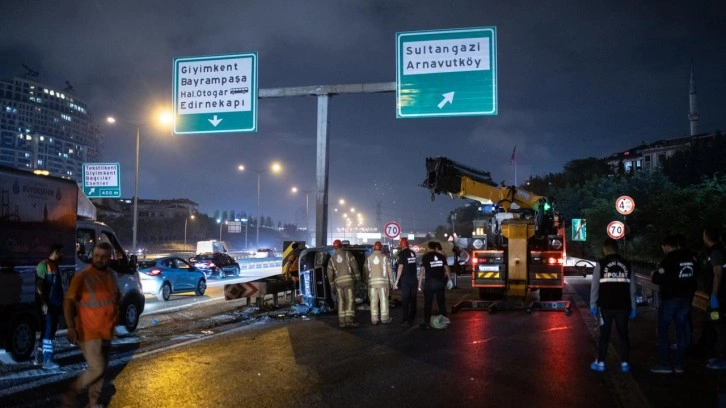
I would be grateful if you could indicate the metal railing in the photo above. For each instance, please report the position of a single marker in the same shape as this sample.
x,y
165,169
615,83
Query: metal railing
x,y
647,293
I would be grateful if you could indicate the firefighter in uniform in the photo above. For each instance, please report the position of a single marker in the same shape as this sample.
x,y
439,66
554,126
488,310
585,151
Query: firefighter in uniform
x,y
380,280
91,312
612,298
343,275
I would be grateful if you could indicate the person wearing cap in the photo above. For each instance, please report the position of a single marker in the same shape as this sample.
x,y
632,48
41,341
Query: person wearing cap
x,y
407,282
343,274
49,290
377,269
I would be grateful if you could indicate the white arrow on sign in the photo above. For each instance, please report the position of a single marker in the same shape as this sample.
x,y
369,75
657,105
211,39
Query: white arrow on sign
x,y
215,121
448,98
92,190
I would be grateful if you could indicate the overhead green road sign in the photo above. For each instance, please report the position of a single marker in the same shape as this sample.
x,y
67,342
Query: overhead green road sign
x,y
446,73
102,180
215,94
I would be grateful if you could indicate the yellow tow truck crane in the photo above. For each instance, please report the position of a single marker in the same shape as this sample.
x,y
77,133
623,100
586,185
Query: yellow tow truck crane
x,y
527,253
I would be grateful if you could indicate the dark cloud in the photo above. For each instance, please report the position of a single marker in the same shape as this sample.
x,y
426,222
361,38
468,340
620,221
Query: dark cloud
x,y
576,79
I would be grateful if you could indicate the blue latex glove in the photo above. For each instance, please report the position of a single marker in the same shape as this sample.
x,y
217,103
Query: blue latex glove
x,y
632,314
714,302
593,310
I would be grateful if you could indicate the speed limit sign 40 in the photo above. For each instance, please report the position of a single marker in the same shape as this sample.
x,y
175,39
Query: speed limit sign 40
x,y
392,230
625,205
616,230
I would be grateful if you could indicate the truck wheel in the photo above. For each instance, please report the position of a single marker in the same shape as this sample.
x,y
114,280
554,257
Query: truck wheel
x,y
21,337
130,311
201,287
165,292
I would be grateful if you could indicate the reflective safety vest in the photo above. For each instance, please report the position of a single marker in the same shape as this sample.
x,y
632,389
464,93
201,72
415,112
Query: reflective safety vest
x,y
378,269
97,310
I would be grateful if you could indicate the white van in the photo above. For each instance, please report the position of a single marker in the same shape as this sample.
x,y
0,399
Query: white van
x,y
211,247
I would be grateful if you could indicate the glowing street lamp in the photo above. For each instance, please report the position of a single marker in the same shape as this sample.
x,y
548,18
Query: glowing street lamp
x,y
185,229
275,167
163,118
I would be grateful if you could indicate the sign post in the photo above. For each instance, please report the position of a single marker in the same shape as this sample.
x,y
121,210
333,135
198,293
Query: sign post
x,y
102,180
215,94
446,73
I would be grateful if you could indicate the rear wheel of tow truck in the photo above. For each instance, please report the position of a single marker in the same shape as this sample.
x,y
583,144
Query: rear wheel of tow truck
x,y
550,294
21,337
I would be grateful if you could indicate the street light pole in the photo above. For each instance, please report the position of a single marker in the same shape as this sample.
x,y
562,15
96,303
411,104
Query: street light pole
x,y
185,229
259,177
136,189
246,221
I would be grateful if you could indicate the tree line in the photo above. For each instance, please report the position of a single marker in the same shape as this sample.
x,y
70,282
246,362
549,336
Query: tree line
x,y
685,195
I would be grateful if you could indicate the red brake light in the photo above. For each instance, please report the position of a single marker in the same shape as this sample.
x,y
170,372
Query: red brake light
x,y
153,272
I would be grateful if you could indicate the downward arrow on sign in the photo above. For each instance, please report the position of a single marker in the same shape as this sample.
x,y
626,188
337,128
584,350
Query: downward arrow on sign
x,y
448,98
215,121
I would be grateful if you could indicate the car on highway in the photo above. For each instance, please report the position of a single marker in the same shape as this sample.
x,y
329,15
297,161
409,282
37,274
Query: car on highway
x,y
265,253
165,276
216,264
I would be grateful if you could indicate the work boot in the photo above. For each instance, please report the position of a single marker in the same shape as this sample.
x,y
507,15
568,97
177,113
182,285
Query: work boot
x,y
353,324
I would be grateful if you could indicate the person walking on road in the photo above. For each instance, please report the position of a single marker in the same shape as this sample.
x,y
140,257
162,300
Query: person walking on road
x,y
676,277
612,298
713,281
377,268
407,282
91,312
432,280
49,288
343,275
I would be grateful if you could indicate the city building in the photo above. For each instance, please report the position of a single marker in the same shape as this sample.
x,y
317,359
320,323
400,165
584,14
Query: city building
x,y
149,210
44,128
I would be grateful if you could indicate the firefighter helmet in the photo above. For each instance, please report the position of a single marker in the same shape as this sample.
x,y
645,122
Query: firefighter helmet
x,y
377,246
337,243
404,243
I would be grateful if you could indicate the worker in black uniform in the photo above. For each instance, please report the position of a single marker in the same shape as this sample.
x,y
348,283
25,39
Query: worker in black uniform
x,y
407,282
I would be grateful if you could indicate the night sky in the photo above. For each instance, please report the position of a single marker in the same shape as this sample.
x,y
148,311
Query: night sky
x,y
575,80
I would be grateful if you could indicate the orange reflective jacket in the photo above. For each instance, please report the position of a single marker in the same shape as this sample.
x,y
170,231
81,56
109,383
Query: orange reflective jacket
x,y
97,310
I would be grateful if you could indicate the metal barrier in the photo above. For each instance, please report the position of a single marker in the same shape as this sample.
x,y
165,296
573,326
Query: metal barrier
x,y
648,294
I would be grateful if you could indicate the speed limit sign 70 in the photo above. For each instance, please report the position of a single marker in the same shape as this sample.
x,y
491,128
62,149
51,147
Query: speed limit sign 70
x,y
392,230
616,230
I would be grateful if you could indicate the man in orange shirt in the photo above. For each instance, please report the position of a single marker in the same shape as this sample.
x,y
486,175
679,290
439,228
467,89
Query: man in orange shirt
x,y
91,312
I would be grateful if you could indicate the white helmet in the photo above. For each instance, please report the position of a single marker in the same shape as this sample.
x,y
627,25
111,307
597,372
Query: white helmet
x,y
439,321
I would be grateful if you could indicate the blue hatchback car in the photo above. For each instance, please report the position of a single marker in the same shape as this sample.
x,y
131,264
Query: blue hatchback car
x,y
163,276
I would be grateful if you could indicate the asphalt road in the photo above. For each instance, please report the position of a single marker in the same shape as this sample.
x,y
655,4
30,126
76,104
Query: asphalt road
x,y
227,354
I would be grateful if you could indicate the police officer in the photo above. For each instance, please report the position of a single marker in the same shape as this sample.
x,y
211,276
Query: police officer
x,y
676,277
612,298
407,282
342,275
432,280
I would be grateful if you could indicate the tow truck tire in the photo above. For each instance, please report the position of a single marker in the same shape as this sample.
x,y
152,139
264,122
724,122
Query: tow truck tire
x,y
21,337
130,314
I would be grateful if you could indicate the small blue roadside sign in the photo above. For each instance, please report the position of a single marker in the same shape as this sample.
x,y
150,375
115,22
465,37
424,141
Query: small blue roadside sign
x,y
102,180
579,229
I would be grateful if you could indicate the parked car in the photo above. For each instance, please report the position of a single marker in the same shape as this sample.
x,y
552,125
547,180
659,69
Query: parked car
x,y
162,277
216,264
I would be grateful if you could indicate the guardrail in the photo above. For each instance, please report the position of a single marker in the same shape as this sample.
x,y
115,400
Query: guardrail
x,y
259,263
648,293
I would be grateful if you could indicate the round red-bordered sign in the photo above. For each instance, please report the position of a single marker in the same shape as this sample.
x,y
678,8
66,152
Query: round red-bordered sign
x,y
625,205
616,230
392,230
